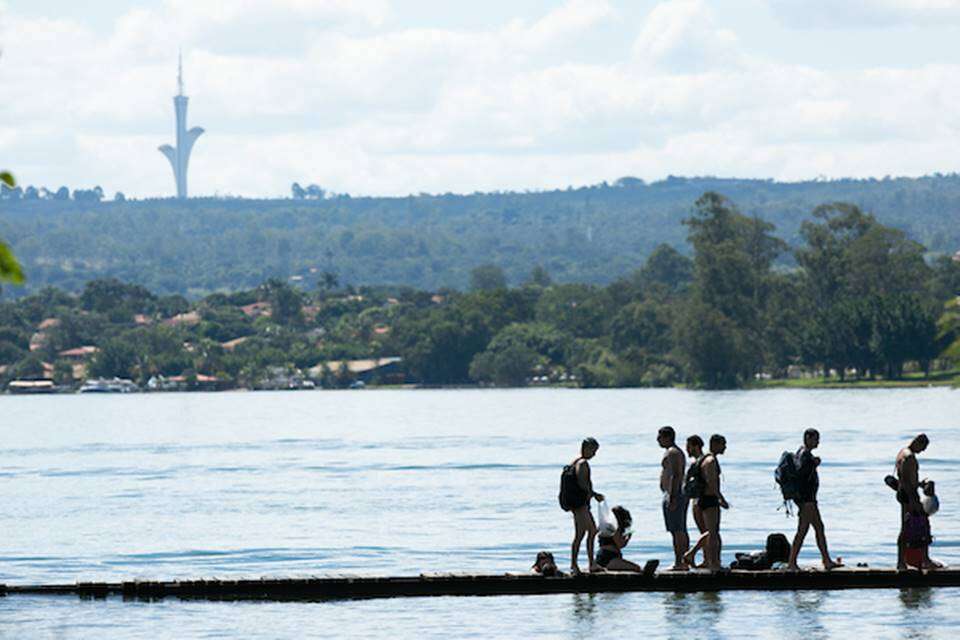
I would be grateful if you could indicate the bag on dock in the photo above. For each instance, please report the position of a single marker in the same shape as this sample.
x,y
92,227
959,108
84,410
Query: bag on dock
x,y
572,496
607,524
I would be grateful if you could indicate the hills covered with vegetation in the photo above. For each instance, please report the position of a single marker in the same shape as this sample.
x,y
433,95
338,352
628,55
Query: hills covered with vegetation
x,y
590,235
861,300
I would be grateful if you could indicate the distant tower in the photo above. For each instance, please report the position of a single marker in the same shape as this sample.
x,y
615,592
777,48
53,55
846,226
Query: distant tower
x,y
179,157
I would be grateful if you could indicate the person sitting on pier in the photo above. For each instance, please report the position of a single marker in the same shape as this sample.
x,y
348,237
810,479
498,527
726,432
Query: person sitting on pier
x,y
576,490
610,556
710,504
808,512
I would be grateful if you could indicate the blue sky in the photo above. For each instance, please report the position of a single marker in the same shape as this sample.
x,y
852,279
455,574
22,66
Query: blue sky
x,y
404,96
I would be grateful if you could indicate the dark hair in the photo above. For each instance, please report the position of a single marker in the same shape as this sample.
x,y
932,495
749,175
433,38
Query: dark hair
x,y
717,439
589,442
695,441
668,432
811,433
922,438
624,520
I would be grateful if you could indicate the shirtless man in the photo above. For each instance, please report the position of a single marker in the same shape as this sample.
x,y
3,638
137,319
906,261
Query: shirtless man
x,y
674,502
583,523
908,495
808,511
710,503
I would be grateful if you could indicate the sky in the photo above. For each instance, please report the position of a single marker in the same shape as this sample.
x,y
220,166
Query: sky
x,y
397,97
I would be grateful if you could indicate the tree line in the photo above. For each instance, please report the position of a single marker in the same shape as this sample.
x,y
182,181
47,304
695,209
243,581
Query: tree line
x,y
593,234
853,297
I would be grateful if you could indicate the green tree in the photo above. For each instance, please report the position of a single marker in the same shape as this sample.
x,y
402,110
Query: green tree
x,y
732,259
10,269
487,277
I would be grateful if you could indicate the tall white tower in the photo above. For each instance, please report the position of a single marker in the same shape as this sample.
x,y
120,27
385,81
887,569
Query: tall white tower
x,y
179,156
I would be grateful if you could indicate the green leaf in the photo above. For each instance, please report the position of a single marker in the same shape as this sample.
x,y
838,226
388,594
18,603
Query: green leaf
x,y
7,178
9,267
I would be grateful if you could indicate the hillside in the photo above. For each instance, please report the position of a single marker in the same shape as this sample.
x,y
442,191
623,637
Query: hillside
x,y
589,234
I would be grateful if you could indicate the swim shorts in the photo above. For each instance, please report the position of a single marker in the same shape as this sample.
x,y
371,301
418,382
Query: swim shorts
x,y
675,519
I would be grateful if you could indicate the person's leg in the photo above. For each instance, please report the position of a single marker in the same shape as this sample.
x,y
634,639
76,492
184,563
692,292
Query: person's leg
x,y
718,550
817,523
591,537
711,551
579,530
901,540
619,564
690,556
803,525
681,543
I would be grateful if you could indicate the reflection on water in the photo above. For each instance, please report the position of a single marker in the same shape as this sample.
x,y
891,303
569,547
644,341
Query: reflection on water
x,y
914,599
584,608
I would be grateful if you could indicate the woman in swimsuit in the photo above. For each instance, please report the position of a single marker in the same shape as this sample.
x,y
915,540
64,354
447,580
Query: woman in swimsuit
x,y
610,556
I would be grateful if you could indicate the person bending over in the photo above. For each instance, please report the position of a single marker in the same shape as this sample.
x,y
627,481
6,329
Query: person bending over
x,y
908,475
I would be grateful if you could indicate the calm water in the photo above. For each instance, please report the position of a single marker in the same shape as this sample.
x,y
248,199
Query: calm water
x,y
374,482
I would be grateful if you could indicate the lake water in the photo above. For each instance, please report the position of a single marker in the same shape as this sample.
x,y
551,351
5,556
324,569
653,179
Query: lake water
x,y
401,482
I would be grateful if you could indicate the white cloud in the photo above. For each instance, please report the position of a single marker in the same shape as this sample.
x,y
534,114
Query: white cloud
x,y
857,14
681,35
360,106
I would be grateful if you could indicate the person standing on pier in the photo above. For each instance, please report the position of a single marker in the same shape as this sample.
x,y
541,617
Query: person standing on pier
x,y
576,491
674,502
710,504
908,490
808,512
693,488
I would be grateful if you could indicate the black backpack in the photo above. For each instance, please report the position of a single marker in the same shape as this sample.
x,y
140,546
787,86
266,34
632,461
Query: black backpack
x,y
694,483
787,475
572,495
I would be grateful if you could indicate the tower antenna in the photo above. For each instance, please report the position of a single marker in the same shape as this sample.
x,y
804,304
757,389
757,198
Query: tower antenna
x,y
180,72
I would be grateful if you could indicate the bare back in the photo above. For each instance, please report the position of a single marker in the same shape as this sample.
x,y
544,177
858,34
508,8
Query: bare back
x,y
908,471
671,473
711,475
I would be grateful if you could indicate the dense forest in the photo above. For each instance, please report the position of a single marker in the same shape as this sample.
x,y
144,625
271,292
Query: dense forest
x,y
590,235
861,299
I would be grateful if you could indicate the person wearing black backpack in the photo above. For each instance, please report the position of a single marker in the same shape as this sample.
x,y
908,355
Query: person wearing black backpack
x,y
808,512
576,490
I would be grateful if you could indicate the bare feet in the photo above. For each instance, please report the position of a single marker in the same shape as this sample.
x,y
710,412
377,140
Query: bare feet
x,y
680,567
792,568
833,564
575,570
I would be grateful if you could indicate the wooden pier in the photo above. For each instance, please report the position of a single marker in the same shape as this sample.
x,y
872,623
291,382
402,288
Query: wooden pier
x,y
341,587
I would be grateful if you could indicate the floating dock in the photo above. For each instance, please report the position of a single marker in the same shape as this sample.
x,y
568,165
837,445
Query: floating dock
x,y
345,587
